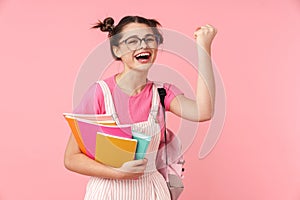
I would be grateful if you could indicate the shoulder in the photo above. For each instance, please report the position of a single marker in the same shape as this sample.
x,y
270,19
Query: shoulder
x,y
91,101
171,92
110,82
170,88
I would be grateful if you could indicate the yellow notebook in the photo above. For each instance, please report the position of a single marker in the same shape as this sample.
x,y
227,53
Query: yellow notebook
x,y
113,150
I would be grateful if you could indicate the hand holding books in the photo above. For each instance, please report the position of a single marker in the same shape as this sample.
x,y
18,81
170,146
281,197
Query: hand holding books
x,y
132,169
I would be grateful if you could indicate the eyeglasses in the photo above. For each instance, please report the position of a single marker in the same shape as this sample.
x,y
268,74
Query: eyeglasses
x,y
134,42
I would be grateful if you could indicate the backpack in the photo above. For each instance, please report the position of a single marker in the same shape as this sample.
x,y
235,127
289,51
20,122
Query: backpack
x,y
169,160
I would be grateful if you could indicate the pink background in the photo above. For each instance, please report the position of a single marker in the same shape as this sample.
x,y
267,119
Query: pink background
x,y
43,44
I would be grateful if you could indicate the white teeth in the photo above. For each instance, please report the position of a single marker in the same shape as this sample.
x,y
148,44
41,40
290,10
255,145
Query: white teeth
x,y
143,54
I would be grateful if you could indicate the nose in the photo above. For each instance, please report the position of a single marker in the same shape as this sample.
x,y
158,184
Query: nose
x,y
143,44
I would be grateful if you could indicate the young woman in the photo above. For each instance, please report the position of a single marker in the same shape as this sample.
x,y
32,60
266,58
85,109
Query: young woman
x,y
132,98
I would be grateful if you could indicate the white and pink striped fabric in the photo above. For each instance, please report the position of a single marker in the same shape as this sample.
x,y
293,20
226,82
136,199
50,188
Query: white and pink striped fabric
x,y
150,186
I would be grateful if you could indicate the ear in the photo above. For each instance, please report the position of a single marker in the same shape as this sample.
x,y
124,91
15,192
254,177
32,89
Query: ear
x,y
117,51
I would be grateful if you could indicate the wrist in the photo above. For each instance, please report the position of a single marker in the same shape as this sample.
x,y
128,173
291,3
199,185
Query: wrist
x,y
119,174
204,49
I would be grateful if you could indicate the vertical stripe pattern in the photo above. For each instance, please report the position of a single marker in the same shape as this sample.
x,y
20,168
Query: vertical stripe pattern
x,y
150,186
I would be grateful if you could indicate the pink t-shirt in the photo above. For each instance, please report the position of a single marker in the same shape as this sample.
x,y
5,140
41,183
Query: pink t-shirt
x,y
130,109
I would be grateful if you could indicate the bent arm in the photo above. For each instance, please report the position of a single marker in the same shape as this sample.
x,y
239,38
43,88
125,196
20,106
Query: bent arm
x,y
202,108
80,163
198,110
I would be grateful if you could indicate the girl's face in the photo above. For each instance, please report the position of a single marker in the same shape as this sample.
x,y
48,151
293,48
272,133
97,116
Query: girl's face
x,y
137,47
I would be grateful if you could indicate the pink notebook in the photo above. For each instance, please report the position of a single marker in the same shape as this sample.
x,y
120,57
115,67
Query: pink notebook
x,y
86,131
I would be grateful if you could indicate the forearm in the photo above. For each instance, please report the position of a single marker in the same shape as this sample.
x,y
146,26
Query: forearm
x,y
81,164
205,93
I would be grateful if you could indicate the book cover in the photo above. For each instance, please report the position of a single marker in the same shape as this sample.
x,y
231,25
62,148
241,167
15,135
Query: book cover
x,y
85,132
142,145
75,131
114,150
105,119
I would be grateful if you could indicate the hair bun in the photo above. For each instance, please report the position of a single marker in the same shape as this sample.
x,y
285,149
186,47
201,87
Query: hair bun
x,y
106,26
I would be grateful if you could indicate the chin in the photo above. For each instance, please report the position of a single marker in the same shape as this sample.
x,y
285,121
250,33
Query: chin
x,y
143,67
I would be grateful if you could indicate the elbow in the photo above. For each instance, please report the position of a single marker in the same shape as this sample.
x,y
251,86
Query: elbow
x,y
205,116
205,113
68,163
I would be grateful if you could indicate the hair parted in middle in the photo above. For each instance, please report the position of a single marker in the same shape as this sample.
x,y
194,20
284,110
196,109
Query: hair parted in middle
x,y
114,31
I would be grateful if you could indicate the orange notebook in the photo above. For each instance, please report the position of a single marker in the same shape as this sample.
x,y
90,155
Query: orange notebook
x,y
113,150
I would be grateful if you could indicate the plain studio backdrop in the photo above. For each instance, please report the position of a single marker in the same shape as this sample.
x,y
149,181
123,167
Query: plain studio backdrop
x,y
44,43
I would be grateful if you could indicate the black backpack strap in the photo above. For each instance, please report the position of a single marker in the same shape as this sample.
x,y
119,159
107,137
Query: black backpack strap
x,y
162,94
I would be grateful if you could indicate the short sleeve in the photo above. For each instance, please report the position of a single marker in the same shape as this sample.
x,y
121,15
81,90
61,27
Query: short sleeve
x,y
92,101
172,91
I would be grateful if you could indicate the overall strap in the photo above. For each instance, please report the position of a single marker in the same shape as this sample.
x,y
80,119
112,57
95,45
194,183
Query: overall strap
x,y
108,101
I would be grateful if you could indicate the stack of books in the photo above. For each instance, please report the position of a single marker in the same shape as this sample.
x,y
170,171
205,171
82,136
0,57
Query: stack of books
x,y
100,138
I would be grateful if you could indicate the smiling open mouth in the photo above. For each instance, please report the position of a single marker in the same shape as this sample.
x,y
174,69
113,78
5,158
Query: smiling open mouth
x,y
143,57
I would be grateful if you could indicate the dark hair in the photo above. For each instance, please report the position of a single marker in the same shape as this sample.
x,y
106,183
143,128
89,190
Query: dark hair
x,y
113,31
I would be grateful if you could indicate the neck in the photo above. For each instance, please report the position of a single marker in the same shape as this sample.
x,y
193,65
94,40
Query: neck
x,y
132,82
